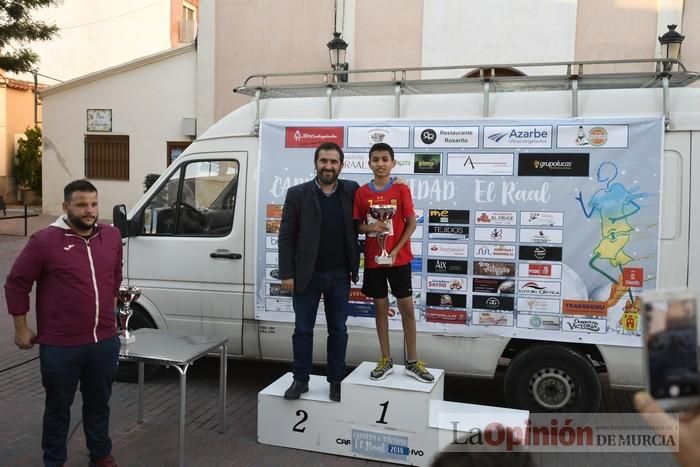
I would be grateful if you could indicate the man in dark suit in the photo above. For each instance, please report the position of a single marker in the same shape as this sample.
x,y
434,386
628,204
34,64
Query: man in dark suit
x,y
318,254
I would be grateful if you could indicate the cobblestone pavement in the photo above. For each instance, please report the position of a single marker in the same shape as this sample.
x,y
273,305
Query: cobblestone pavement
x,y
154,443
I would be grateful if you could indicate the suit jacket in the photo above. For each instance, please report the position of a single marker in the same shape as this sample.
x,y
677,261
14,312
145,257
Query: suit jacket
x,y
300,232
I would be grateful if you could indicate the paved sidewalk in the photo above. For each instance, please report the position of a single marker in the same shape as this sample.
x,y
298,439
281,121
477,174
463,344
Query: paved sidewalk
x,y
154,443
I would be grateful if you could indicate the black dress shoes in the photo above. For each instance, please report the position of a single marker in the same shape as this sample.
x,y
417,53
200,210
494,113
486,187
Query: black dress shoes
x,y
335,392
297,389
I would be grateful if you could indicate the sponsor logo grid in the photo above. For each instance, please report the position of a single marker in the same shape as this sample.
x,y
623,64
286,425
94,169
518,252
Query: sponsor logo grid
x,y
480,267
491,279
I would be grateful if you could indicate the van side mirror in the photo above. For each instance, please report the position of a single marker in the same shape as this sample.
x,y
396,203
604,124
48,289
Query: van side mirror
x,y
119,219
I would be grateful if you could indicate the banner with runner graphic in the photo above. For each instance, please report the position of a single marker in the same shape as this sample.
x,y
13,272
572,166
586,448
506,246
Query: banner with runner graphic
x,y
544,229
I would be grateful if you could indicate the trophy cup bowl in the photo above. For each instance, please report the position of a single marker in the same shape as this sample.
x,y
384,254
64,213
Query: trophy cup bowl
x,y
127,294
383,213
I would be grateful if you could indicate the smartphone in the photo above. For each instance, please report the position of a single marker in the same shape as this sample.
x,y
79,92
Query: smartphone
x,y
671,347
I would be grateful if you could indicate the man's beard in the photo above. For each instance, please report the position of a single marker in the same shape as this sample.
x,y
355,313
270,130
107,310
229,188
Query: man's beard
x,y
327,177
78,222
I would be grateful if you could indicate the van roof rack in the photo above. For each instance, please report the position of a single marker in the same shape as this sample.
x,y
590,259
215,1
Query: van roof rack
x,y
553,76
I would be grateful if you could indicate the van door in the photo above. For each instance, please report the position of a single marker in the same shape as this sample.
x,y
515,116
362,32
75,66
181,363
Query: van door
x,y
675,210
188,260
694,241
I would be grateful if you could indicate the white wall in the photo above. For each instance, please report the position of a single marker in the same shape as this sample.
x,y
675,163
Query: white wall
x,y
206,70
475,32
148,103
98,34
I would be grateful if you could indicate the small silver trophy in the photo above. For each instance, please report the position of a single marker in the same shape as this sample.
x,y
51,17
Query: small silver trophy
x,y
127,294
383,213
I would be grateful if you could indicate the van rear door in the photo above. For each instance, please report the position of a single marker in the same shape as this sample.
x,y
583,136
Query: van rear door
x,y
675,210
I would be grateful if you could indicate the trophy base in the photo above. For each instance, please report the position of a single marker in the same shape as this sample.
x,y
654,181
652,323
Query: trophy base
x,y
384,260
127,340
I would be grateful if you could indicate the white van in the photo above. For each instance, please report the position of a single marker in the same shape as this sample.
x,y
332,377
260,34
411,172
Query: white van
x,y
195,261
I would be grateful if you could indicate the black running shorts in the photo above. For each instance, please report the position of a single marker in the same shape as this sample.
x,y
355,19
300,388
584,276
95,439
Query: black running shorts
x,y
375,281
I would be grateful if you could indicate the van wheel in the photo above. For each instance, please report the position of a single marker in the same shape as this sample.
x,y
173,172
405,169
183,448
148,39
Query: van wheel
x,y
128,372
552,379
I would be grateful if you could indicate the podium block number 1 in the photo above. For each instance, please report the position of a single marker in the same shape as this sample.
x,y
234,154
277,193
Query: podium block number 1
x,y
385,406
304,416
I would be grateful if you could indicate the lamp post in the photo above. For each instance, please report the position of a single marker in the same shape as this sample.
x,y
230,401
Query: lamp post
x,y
337,48
671,46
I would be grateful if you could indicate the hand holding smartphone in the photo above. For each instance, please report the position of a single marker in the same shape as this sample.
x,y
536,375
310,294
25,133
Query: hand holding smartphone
x,y
671,347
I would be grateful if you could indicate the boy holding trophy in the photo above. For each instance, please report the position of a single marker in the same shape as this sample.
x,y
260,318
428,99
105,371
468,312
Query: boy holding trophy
x,y
384,212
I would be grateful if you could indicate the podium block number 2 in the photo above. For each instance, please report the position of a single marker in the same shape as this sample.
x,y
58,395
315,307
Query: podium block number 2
x,y
384,406
304,416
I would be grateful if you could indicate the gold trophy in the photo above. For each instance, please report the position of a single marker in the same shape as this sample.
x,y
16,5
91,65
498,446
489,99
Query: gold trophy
x,y
127,294
383,213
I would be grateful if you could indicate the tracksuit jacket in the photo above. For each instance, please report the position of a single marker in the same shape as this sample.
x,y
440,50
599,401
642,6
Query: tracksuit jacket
x,y
77,279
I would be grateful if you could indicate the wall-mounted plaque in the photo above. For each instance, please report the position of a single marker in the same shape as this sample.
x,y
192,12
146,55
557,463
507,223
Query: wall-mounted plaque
x,y
99,119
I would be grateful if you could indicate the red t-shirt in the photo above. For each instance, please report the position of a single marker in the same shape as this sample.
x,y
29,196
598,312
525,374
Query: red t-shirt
x,y
398,195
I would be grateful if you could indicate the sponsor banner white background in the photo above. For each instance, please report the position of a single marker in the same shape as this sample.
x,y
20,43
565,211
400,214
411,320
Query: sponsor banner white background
x,y
592,136
541,236
494,234
491,318
479,176
518,136
578,324
404,163
444,236
417,248
271,258
365,137
447,250
540,270
446,137
483,250
279,304
539,288
358,163
538,305
480,164
528,321
416,281
495,218
271,242
544,219
456,284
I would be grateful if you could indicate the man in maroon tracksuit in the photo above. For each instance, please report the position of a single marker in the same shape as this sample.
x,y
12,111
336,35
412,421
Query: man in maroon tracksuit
x,y
77,266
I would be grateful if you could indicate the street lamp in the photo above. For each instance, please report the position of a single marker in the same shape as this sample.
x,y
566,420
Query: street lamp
x,y
671,46
336,50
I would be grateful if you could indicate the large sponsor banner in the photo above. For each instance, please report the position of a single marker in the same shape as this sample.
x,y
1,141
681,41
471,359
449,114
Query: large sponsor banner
x,y
540,228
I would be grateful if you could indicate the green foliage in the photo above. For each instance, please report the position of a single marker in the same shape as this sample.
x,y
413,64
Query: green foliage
x,y
28,161
149,180
17,27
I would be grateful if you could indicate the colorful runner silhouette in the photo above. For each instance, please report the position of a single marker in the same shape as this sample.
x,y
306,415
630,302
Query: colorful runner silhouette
x,y
615,204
